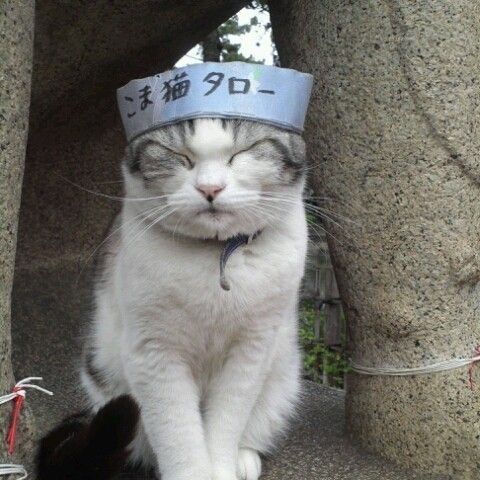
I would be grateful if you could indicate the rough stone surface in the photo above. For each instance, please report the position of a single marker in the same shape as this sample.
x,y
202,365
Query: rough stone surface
x,y
84,51
394,137
16,40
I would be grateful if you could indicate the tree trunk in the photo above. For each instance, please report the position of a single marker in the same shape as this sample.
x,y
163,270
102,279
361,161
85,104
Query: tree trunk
x,y
394,136
16,27
212,47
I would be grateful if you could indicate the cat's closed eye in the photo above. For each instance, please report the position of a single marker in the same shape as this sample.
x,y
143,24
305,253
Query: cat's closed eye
x,y
155,159
252,147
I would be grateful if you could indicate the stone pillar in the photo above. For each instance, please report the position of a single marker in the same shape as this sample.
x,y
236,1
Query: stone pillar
x,y
16,40
394,137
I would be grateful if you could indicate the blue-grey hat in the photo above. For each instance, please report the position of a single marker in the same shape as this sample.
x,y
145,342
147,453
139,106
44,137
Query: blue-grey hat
x,y
272,95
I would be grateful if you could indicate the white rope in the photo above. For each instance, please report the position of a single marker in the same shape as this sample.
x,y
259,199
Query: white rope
x,y
20,387
12,469
25,383
443,366
9,397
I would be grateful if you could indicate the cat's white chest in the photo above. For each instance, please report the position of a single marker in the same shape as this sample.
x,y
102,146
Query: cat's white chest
x,y
181,280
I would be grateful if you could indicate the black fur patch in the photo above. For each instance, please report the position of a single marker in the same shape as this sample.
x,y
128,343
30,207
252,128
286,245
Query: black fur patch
x,y
78,450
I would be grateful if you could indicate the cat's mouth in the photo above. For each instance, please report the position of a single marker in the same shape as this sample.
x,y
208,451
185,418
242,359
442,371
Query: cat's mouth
x,y
214,212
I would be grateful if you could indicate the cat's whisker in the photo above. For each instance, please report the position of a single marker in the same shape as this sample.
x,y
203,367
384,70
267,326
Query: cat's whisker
x,y
259,213
329,201
324,216
263,216
315,226
307,198
322,212
142,218
350,241
272,218
179,222
108,182
320,231
131,221
278,202
148,227
113,197
136,226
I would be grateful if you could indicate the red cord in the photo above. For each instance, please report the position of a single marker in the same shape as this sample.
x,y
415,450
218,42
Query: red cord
x,y
12,430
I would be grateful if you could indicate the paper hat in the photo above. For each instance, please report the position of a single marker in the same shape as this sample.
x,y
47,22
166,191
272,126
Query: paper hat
x,y
272,95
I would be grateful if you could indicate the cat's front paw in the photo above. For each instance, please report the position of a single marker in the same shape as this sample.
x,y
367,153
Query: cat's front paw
x,y
249,464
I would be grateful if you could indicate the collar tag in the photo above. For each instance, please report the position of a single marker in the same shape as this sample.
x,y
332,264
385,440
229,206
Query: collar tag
x,y
231,245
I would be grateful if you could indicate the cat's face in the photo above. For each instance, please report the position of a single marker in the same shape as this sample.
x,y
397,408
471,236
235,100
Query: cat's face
x,y
212,178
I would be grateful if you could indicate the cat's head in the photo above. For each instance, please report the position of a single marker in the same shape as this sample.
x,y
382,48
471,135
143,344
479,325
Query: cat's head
x,y
214,178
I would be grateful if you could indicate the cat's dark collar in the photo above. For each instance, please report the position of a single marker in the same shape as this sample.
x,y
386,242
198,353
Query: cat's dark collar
x,y
231,245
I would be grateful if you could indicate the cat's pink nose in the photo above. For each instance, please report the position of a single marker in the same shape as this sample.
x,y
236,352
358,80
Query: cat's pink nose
x,y
210,192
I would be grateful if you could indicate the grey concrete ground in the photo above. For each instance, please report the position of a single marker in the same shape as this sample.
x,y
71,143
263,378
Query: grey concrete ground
x,y
316,449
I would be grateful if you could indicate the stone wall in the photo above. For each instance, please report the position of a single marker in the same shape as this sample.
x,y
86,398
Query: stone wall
x,y
16,41
394,136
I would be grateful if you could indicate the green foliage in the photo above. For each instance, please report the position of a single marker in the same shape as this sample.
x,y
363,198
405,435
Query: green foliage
x,y
230,51
232,27
259,5
319,359
219,46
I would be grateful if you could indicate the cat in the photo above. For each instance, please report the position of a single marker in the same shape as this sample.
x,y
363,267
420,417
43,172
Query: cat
x,y
215,371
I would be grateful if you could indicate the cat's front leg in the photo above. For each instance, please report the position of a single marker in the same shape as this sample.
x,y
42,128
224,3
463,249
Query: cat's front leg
x,y
230,399
169,399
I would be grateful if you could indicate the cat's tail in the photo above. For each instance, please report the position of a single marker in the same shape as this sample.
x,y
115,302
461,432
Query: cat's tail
x,y
89,448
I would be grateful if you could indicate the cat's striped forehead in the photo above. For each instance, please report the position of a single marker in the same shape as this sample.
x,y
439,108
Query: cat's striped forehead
x,y
205,134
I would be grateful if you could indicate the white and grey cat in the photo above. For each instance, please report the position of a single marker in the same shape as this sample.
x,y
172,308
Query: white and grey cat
x,y
216,373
